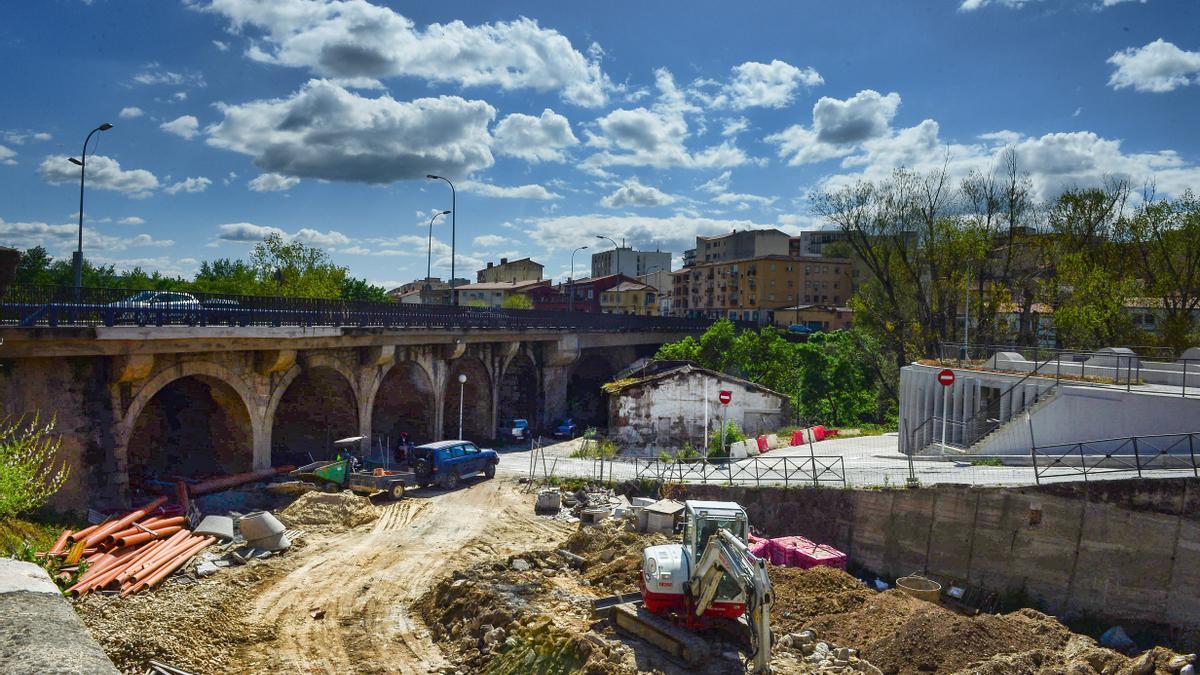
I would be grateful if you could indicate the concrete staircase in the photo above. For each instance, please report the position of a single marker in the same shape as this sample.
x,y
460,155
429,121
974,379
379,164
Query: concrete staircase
x,y
1014,423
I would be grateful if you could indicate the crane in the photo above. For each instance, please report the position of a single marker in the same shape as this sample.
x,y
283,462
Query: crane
x,y
709,577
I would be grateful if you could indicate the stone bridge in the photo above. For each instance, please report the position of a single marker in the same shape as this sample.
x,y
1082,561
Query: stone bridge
x,y
136,403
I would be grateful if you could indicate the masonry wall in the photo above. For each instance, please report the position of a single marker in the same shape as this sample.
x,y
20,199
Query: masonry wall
x,y
1119,550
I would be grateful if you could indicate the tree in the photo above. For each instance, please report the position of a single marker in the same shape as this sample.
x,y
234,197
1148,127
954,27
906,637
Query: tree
x,y
29,475
299,270
1164,237
517,301
33,268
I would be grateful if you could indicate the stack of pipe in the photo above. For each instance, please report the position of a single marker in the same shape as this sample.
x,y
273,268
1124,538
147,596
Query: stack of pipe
x,y
133,552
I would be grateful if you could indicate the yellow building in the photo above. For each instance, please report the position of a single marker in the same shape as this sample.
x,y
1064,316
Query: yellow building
x,y
753,289
510,271
630,297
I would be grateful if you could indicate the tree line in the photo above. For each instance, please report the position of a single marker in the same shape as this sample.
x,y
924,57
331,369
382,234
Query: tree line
x,y
275,267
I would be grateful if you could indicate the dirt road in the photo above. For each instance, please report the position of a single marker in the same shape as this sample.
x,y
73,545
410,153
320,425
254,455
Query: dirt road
x,y
365,580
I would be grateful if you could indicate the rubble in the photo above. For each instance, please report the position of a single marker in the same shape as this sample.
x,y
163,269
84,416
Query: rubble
x,y
322,509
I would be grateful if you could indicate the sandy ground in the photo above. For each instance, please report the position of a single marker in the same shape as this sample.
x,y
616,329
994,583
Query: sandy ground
x,y
365,580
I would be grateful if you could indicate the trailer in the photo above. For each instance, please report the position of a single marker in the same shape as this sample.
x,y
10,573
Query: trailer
x,y
342,474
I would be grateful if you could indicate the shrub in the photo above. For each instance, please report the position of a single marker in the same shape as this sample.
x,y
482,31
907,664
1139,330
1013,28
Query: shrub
x,y
688,451
733,434
28,474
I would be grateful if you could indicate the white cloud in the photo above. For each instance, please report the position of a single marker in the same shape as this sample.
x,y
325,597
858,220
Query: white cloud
x,y
184,126
22,137
221,46
324,131
734,126
199,184
766,85
61,239
130,112
356,39
535,139
717,185
1156,67
103,173
972,5
672,233
6,156
325,239
250,232
838,126
153,74
507,192
131,220
633,193
273,182
490,240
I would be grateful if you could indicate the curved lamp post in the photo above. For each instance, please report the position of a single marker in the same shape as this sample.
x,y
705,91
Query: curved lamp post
x,y
77,259
571,282
429,253
462,385
453,232
617,255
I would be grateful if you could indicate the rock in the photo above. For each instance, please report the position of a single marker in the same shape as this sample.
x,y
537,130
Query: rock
x,y
785,641
1177,663
1142,665
521,565
493,636
510,642
206,569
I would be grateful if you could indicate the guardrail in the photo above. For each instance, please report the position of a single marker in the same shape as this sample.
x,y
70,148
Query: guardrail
x,y
798,471
57,306
1136,455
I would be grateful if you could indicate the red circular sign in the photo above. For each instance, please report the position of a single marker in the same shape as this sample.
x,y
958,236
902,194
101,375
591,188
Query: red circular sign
x,y
725,396
946,377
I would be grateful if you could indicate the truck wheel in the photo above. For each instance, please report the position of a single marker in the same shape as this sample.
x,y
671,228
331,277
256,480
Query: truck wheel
x,y
331,488
397,491
490,470
450,481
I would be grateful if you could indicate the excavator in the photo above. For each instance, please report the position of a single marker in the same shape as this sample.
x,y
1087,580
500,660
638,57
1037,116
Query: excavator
x,y
709,581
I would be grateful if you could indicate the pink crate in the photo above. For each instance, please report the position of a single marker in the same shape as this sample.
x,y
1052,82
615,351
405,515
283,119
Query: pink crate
x,y
797,551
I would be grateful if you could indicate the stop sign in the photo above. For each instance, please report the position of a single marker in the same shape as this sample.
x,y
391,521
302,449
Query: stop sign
x,y
946,377
725,396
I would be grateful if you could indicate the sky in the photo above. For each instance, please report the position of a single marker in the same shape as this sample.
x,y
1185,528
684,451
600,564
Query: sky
x,y
648,122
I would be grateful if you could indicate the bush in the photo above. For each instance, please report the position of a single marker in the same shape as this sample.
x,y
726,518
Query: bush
x,y
688,451
592,448
733,434
28,474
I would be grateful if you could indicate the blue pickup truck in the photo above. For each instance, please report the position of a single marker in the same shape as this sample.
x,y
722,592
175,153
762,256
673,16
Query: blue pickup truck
x,y
445,462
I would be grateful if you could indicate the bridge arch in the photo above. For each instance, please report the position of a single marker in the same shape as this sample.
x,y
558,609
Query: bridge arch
x,y
403,401
586,402
311,406
477,422
192,419
518,392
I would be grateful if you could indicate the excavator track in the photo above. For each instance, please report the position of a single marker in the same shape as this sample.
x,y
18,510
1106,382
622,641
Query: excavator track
x,y
680,643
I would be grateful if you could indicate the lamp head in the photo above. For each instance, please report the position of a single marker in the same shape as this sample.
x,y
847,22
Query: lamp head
x,y
432,177
445,213
74,161
105,127
462,379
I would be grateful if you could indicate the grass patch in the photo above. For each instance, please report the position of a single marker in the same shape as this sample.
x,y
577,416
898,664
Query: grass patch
x,y
40,530
590,448
987,461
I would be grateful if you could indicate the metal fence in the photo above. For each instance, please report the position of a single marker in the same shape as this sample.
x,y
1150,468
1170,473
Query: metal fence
x,y
1136,456
798,471
54,306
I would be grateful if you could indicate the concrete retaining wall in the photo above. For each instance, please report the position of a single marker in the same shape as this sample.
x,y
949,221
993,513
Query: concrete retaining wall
x,y
1121,550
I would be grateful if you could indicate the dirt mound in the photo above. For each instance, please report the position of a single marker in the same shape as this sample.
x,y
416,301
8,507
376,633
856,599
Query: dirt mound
x,y
801,595
613,554
322,509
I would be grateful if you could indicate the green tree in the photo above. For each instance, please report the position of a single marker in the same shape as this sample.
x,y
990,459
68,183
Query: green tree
x,y
29,472
33,268
1164,237
517,301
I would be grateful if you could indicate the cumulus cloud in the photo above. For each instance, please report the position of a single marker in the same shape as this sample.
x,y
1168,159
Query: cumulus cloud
x,y
674,233
837,127
1157,67
324,131
132,220
153,74
656,136
633,193
357,39
103,173
535,139
184,126
23,137
719,188
273,182
489,240
199,184
507,191
130,112
6,155
61,239
250,232
761,85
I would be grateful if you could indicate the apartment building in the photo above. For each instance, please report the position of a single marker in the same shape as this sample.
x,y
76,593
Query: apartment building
x,y
740,245
625,260
630,297
510,271
752,289
494,293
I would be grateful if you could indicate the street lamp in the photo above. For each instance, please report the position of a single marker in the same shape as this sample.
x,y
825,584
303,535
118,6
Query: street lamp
x,y
616,250
77,259
462,385
453,232
429,254
571,281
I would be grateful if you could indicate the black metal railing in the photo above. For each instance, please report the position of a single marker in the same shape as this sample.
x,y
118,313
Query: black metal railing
x,y
54,306
788,471
1134,456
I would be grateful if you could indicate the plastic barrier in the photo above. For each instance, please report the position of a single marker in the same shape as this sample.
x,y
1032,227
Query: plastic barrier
x,y
818,433
798,437
797,551
762,443
773,442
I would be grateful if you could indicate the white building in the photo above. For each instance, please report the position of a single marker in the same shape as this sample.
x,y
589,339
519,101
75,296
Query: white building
x,y
631,263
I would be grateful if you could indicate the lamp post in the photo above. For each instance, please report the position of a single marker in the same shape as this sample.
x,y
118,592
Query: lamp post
x,y
429,253
615,249
453,232
462,385
77,259
571,281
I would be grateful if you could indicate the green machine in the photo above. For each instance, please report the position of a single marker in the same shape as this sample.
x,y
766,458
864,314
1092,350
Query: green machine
x,y
343,474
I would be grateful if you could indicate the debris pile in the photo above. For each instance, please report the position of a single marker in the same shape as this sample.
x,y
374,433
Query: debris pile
x,y
129,553
324,509
612,555
821,656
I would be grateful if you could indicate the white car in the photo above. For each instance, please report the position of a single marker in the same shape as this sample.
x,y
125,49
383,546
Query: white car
x,y
153,300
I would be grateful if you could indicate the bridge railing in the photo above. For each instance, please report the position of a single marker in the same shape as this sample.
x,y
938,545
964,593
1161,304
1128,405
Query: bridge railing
x,y
54,306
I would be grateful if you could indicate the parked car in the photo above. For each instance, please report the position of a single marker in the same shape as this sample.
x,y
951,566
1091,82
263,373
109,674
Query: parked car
x,y
515,429
799,329
566,429
445,462
140,303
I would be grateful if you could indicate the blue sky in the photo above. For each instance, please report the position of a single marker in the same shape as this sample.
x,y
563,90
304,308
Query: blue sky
x,y
652,121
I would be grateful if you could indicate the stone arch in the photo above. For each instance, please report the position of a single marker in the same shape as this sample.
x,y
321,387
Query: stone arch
x,y
517,394
403,401
478,424
311,407
586,401
197,418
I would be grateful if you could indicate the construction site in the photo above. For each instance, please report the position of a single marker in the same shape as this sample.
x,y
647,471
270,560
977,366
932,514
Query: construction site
x,y
509,576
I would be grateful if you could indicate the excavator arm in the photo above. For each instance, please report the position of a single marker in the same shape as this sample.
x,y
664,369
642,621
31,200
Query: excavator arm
x,y
726,554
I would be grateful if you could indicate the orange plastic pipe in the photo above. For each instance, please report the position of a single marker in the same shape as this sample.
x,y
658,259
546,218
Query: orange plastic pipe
x,y
226,482
161,556
61,543
126,521
143,537
117,567
174,564
137,581
149,524
76,536
160,547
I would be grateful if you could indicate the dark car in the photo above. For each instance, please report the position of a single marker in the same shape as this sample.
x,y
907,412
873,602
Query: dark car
x,y
445,462
515,429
